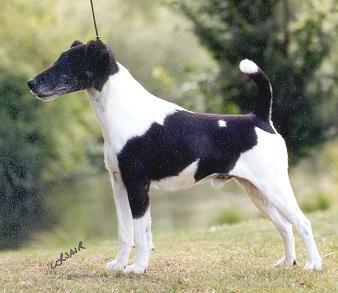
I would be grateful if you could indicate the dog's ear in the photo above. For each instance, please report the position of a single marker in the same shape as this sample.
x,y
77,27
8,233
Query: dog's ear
x,y
99,55
101,68
104,58
76,43
95,47
101,65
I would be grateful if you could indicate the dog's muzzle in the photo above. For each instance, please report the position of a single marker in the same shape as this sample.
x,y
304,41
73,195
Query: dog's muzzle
x,y
32,85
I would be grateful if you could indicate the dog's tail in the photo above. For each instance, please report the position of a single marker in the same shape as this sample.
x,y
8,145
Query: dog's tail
x,y
264,96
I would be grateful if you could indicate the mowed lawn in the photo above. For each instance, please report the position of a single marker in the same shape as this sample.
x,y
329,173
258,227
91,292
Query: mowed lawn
x,y
227,258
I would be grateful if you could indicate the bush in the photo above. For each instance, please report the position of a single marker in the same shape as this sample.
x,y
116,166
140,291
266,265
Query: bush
x,y
288,49
24,149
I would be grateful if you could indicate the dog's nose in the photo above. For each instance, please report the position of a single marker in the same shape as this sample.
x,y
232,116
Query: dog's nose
x,y
31,83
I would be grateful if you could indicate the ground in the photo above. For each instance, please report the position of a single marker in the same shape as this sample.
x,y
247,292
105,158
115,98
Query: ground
x,y
226,258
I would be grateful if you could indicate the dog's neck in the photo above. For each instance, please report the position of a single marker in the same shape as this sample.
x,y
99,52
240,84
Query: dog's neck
x,y
121,81
119,91
125,109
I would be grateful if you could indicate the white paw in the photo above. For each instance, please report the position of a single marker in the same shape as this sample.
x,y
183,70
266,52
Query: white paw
x,y
286,263
313,265
115,266
134,269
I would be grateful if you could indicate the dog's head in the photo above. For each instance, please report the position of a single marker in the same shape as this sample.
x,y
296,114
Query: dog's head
x,y
82,67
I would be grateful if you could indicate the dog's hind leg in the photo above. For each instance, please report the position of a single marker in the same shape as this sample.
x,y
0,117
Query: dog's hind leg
x,y
283,226
266,167
278,193
285,201
140,208
125,225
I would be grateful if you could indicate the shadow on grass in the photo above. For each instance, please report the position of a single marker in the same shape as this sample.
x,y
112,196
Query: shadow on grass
x,y
105,275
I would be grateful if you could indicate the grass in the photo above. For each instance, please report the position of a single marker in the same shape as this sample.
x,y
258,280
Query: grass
x,y
226,258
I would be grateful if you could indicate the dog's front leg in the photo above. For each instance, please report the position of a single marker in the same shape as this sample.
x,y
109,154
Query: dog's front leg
x,y
139,204
125,225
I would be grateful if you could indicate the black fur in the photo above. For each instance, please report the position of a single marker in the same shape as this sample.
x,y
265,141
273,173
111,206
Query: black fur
x,y
165,150
264,95
82,67
76,43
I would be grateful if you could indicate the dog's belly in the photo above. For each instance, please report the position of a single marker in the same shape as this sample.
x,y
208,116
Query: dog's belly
x,y
184,180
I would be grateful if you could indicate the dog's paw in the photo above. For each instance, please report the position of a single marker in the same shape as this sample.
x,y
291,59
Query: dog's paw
x,y
134,269
286,263
313,266
115,266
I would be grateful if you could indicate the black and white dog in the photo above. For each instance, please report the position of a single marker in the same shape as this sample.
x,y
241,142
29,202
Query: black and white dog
x,y
149,142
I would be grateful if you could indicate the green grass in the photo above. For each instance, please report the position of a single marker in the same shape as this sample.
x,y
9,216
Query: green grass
x,y
232,258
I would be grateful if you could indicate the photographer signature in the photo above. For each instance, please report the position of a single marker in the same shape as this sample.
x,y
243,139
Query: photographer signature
x,y
64,256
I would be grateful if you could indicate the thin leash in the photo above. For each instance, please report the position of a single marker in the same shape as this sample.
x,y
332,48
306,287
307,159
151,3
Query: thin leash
x,y
96,30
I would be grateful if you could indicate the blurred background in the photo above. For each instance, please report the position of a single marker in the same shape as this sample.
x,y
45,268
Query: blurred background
x,y
53,185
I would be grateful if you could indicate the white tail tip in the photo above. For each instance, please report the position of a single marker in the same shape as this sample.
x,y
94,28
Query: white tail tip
x,y
248,67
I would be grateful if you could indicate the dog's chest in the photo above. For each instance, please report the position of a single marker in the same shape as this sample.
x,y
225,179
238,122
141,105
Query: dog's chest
x,y
126,110
128,120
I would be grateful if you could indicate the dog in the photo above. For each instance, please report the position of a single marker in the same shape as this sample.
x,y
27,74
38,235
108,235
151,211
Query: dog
x,y
150,142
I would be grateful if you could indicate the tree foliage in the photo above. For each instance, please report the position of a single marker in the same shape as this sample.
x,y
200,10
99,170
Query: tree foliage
x,y
288,47
66,140
24,151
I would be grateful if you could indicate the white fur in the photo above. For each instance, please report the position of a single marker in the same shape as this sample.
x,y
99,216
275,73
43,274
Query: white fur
x,y
282,225
143,244
266,168
222,123
248,67
185,179
218,182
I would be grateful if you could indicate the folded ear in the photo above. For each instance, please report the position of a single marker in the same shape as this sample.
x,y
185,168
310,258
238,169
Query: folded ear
x,y
101,68
76,43
95,47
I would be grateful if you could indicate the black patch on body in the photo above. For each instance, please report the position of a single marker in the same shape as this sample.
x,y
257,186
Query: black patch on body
x,y
81,67
165,150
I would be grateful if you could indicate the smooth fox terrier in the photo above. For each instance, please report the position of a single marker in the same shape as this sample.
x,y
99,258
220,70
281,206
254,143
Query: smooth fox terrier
x,y
149,142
